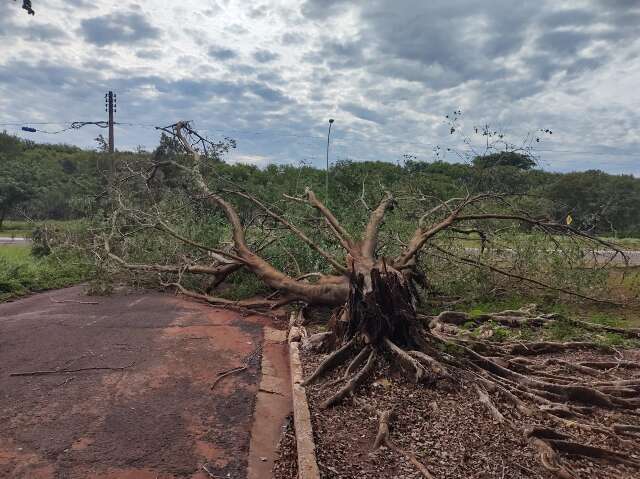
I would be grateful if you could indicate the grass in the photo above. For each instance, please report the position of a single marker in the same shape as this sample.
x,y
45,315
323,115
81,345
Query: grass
x,y
626,243
24,229
21,273
559,330
242,285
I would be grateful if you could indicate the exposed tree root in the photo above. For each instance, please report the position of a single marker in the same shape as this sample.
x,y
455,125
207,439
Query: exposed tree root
x,y
353,383
415,371
547,347
411,458
606,365
332,361
628,429
527,383
383,439
353,365
583,450
484,399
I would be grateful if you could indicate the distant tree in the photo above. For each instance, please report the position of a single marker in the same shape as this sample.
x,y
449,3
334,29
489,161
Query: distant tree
x,y
505,158
12,193
597,201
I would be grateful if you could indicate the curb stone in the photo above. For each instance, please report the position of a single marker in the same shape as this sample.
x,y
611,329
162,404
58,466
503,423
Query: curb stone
x,y
307,463
272,406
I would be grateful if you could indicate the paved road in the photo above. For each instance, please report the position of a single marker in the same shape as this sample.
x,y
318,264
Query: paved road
x,y
14,240
153,414
600,256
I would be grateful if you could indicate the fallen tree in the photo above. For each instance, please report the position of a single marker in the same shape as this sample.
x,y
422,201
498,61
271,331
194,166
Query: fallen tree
x,y
375,299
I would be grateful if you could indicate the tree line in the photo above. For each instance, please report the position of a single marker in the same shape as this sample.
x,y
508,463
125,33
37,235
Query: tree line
x,y
60,182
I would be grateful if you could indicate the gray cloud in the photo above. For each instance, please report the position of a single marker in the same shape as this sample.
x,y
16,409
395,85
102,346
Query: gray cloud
x,y
258,11
398,63
293,38
445,44
34,32
322,9
118,28
222,54
338,54
568,18
563,42
149,54
264,56
46,33
364,113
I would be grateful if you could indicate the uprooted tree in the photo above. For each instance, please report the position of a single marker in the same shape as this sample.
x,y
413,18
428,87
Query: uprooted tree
x,y
375,295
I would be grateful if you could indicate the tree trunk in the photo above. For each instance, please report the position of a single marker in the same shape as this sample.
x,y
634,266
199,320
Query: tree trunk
x,y
381,305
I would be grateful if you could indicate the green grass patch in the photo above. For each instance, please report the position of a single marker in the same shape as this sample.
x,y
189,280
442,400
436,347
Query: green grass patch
x,y
559,330
562,330
607,319
492,306
24,229
21,273
243,285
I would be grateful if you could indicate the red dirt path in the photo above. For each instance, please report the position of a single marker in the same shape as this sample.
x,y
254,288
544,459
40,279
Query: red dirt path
x,y
157,418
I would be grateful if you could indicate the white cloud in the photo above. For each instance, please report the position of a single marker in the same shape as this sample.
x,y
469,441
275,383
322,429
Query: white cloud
x,y
255,160
270,74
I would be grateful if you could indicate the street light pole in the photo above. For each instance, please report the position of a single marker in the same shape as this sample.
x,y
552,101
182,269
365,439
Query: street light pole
x,y
326,186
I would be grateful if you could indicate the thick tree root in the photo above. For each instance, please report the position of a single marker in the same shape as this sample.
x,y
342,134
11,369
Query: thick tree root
x,y
436,366
607,365
383,439
484,399
527,316
332,361
412,367
547,347
355,363
351,385
549,458
628,429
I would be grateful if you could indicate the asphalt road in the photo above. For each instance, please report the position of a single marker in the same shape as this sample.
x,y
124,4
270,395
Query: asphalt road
x,y
120,387
598,256
15,240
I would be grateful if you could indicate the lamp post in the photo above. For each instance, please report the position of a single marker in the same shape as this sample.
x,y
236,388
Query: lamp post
x,y
326,186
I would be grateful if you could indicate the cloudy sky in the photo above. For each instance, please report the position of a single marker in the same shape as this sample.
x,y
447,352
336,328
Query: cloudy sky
x,y
270,74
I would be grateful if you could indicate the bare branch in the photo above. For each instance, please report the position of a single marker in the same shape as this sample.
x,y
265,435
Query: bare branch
x,y
370,239
480,264
293,228
343,236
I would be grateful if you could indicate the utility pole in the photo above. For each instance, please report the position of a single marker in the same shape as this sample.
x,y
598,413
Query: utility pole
x,y
326,186
110,106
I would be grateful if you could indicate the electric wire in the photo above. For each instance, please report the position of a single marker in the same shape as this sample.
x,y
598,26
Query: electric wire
x,y
341,139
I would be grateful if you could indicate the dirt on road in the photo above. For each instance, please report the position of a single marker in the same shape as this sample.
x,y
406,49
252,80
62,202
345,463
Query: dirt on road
x,y
130,395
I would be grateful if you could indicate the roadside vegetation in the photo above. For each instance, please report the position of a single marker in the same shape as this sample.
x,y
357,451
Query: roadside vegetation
x,y
61,185
22,273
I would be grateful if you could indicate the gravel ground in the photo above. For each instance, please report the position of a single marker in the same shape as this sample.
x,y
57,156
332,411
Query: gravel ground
x,y
286,465
447,429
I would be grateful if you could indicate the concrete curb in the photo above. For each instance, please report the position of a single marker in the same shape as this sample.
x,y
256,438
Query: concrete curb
x,y
273,404
307,463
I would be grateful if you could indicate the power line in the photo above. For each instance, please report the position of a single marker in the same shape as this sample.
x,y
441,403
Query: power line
x,y
76,125
340,140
